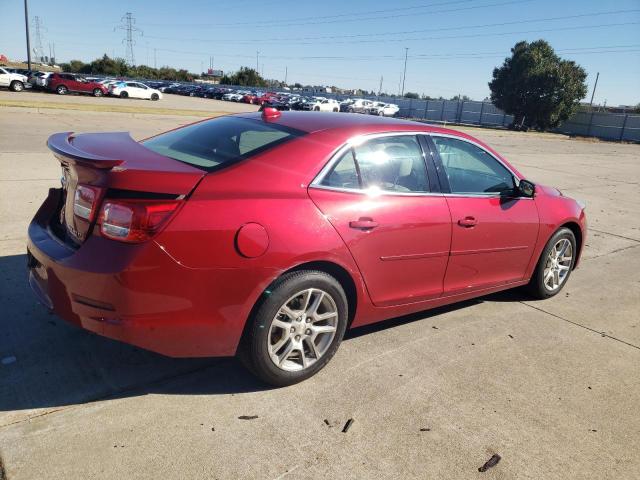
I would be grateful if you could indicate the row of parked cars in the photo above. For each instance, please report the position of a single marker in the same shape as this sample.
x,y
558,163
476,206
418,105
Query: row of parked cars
x,y
63,83
292,101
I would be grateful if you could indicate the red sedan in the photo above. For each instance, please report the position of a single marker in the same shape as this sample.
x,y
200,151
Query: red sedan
x,y
268,235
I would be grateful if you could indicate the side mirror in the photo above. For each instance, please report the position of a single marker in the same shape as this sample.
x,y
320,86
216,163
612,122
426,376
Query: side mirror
x,y
526,188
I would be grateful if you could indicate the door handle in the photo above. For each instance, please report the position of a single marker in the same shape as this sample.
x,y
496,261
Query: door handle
x,y
468,222
363,223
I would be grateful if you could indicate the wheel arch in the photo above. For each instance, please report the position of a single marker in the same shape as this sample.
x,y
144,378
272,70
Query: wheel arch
x,y
340,273
577,232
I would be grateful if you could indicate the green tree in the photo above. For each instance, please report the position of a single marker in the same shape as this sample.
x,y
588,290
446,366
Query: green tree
x,y
536,86
411,95
246,77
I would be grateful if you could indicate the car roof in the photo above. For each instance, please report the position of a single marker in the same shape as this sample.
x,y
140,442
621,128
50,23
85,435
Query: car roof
x,y
313,122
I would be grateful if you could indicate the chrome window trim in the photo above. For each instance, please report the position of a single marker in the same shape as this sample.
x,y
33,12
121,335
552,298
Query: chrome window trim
x,y
356,140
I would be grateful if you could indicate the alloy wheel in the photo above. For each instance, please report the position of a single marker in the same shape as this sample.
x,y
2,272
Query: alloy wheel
x,y
302,330
558,264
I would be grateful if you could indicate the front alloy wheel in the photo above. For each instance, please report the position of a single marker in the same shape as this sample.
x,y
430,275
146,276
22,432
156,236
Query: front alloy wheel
x,y
296,327
559,261
555,265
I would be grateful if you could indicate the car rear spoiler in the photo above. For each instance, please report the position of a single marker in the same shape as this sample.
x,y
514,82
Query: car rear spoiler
x,y
61,145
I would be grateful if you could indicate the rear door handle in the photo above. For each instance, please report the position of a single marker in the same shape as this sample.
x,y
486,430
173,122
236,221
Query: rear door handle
x,y
363,223
468,222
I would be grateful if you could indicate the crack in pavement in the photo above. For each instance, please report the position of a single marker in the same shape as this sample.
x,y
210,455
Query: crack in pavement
x,y
613,234
603,334
614,251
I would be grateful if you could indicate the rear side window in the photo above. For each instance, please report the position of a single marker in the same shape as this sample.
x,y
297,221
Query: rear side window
x,y
391,164
221,141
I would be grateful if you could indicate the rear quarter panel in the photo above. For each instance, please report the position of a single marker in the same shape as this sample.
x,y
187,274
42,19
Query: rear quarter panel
x,y
271,190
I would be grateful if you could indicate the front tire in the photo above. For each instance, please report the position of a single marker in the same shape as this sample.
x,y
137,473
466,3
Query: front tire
x,y
296,328
554,266
17,86
154,96
97,92
124,95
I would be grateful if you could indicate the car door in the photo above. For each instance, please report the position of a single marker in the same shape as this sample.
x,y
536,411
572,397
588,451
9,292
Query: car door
x,y
143,91
378,197
494,229
4,78
74,83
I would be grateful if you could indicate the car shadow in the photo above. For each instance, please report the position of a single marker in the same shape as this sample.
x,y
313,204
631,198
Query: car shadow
x,y
47,363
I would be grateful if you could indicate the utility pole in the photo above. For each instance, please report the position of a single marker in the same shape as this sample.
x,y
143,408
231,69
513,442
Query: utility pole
x,y
286,72
594,90
380,87
404,75
26,26
155,58
257,54
128,25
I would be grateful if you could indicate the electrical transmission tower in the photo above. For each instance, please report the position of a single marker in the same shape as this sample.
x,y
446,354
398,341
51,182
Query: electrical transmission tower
x,y
128,25
38,29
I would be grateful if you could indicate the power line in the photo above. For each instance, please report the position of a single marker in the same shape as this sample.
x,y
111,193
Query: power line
x,y
441,37
128,25
360,17
410,32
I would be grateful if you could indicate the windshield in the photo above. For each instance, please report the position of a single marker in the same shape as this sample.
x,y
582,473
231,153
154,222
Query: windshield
x,y
215,143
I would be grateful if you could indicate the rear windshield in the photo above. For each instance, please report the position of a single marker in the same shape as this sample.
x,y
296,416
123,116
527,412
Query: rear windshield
x,y
219,142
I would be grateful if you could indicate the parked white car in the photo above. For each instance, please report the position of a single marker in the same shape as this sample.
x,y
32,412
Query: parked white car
x,y
134,90
384,109
40,79
326,105
234,96
14,81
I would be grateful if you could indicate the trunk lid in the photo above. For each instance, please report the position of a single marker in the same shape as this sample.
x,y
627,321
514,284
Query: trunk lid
x,y
114,163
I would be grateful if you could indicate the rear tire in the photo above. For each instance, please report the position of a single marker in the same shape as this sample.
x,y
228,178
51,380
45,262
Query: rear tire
x,y
124,95
316,109
97,92
154,97
61,90
554,266
17,86
286,348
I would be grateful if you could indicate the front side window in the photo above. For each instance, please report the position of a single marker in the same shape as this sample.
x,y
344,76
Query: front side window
x,y
472,170
391,164
220,141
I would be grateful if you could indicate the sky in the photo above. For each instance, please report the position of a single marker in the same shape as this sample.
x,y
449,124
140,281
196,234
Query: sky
x,y
453,45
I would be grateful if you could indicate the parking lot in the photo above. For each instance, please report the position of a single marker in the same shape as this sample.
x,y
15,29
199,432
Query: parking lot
x,y
551,386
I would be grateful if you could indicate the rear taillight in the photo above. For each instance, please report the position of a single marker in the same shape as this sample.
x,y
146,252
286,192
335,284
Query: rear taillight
x,y
135,221
85,202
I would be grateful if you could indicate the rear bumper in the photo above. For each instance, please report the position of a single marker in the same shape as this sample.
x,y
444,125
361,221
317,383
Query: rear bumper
x,y
136,294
